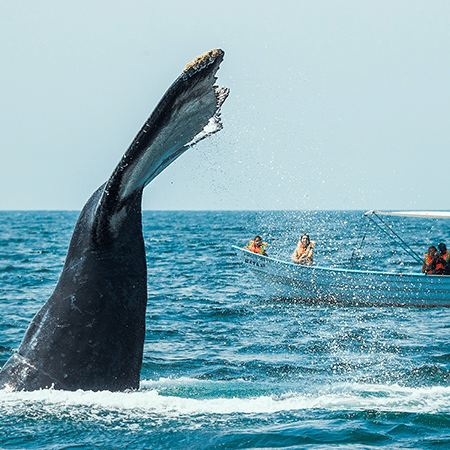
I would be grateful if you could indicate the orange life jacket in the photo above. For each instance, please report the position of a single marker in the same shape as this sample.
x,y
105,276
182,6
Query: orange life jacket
x,y
439,266
427,261
446,256
253,248
442,262
301,250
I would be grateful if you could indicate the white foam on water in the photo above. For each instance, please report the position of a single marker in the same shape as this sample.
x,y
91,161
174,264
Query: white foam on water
x,y
149,401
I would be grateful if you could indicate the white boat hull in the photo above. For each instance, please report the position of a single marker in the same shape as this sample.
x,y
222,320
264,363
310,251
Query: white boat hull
x,y
343,286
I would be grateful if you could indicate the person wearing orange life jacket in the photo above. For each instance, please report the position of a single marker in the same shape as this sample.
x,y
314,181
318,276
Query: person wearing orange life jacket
x,y
304,252
430,265
257,246
444,258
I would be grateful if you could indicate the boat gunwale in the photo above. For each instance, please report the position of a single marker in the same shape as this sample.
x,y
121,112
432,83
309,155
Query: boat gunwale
x,y
435,278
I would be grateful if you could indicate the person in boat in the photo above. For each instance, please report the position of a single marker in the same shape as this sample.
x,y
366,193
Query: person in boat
x,y
430,263
257,246
444,258
304,252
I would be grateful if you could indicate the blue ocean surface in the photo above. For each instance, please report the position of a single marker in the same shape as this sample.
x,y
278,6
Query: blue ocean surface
x,y
225,365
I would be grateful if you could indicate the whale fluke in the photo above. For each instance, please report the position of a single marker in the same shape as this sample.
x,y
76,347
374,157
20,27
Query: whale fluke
x,y
90,333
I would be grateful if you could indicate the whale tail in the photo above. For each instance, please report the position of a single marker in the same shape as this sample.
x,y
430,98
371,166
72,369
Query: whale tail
x,y
187,113
90,333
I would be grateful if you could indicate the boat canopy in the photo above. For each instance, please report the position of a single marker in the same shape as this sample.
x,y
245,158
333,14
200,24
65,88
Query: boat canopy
x,y
422,214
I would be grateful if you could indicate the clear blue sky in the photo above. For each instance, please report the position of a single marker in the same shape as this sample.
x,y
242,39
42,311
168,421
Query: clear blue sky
x,y
333,104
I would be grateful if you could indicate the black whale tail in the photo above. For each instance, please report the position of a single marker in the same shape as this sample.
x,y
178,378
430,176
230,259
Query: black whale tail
x,y
90,333
188,112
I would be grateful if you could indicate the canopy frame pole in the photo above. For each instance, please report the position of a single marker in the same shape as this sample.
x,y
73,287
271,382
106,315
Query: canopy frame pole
x,y
408,249
361,242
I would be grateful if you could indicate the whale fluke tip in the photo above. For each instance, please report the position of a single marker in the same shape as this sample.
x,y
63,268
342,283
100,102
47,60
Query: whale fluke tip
x,y
204,60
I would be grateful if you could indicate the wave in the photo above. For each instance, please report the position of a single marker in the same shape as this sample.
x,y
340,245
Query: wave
x,y
187,397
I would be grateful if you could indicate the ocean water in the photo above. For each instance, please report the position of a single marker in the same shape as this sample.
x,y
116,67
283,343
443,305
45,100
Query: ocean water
x,y
226,366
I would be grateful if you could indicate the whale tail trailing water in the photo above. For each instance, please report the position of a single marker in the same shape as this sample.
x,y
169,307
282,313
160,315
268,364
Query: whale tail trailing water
x,y
90,333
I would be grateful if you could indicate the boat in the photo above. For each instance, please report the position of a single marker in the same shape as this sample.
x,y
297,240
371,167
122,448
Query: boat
x,y
341,286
